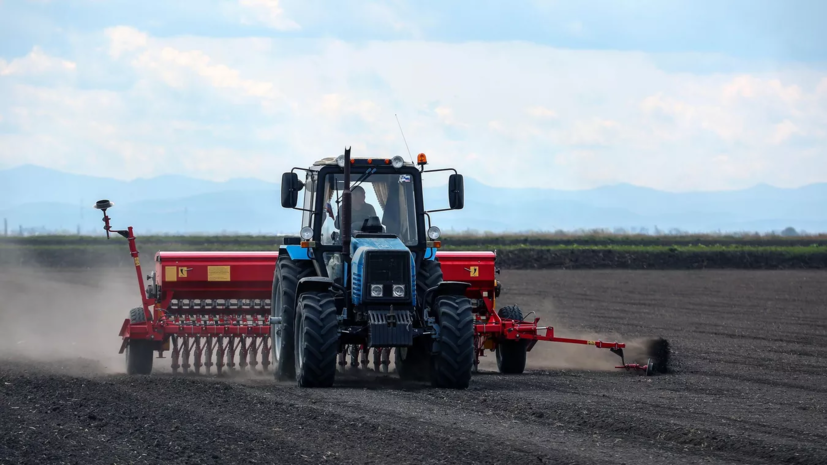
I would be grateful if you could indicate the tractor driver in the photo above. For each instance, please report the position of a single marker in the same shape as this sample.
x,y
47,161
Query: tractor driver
x,y
359,209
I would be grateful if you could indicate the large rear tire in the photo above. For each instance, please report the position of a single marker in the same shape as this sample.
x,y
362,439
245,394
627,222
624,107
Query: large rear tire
x,y
283,304
429,275
454,359
511,355
317,339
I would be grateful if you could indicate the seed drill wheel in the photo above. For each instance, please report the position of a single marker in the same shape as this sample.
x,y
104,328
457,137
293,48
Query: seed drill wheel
x,y
138,357
317,339
452,364
283,304
138,352
511,355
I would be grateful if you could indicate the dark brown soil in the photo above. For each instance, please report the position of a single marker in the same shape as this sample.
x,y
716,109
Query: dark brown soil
x,y
749,385
584,259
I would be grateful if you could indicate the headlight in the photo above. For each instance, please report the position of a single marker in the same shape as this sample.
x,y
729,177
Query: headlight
x,y
398,290
434,233
376,290
306,233
397,162
340,160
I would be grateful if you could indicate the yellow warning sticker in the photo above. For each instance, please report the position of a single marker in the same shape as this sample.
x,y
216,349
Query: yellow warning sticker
x,y
182,272
591,343
218,273
137,262
170,273
475,271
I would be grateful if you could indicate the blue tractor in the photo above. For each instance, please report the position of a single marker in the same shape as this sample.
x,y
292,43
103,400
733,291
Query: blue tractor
x,y
363,276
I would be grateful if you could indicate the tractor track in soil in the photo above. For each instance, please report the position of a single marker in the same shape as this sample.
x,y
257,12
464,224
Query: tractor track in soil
x,y
748,386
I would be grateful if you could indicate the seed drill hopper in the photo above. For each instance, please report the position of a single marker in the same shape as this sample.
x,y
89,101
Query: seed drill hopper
x,y
335,295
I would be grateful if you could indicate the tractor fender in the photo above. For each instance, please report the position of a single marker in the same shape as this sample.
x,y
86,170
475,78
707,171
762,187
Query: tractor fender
x,y
295,252
313,284
445,288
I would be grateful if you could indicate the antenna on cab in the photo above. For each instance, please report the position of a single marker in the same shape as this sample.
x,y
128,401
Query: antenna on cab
x,y
403,138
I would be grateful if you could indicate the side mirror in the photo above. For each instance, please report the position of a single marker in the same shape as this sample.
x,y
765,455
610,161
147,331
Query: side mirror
x,y
290,187
456,192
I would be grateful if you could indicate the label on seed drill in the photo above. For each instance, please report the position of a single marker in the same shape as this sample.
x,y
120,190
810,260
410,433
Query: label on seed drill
x,y
218,273
171,273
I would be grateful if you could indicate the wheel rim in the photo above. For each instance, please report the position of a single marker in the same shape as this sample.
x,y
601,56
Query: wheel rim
x,y
278,311
299,341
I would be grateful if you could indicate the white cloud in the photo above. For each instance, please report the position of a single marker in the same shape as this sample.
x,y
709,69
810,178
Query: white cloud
x,y
36,63
541,112
783,131
182,68
596,131
269,13
252,106
336,106
125,39
172,65
751,87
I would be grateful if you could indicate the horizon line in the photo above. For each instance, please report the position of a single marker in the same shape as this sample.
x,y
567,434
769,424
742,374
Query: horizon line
x,y
274,183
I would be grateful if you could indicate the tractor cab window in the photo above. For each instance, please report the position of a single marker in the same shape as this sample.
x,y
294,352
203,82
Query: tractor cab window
x,y
309,196
388,197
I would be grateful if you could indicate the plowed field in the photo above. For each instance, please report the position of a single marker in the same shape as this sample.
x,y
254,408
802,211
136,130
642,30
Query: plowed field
x,y
749,382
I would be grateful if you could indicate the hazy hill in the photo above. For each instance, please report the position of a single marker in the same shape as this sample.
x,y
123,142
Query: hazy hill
x,y
36,197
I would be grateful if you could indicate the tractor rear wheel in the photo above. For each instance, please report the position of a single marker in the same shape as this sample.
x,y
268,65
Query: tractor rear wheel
x,y
283,304
454,359
511,354
138,357
317,339
429,275
414,363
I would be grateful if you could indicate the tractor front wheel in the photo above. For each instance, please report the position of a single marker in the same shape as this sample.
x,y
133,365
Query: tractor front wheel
x,y
454,359
511,354
317,339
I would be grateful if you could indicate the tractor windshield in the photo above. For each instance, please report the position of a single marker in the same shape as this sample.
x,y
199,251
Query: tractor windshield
x,y
389,197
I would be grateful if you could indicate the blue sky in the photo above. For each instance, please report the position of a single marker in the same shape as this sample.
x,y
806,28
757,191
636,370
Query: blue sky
x,y
694,95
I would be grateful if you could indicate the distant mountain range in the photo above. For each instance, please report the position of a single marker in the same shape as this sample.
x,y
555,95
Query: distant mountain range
x,y
41,199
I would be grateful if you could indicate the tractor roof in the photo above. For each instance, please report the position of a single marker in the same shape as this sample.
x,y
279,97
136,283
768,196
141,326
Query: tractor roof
x,y
332,161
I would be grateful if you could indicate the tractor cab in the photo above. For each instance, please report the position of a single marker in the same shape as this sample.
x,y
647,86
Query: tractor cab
x,y
386,204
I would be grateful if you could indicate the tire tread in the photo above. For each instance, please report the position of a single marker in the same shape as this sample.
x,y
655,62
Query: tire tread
x,y
321,338
289,273
455,358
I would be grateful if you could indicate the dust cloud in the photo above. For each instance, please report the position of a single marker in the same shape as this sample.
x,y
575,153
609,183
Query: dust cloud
x,y
65,316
